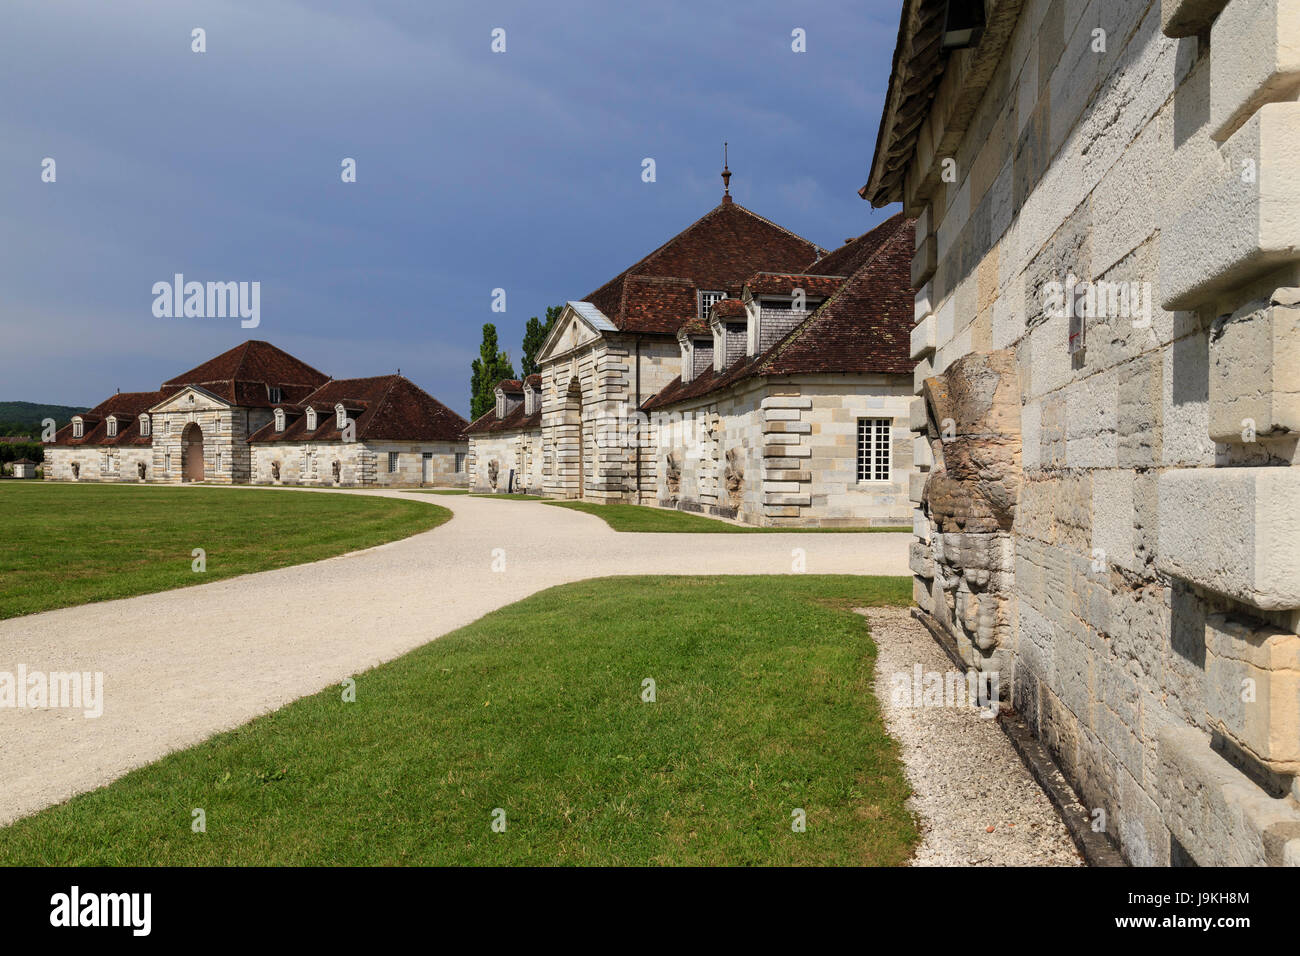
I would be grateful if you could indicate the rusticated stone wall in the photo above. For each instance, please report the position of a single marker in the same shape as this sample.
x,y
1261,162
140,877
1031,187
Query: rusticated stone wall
x,y
1133,570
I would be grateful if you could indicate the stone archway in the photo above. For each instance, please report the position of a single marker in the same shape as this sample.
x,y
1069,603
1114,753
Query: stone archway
x,y
192,453
572,433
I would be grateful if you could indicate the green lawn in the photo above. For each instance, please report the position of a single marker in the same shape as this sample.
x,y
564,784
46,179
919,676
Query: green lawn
x,y
70,544
625,517
763,705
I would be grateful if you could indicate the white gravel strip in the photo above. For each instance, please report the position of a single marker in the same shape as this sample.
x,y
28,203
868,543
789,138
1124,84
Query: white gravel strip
x,y
182,665
978,803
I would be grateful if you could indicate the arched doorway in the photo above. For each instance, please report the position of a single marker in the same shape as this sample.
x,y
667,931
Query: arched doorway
x,y
575,481
192,453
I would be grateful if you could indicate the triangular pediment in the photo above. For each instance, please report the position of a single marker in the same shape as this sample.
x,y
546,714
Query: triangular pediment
x,y
579,324
189,398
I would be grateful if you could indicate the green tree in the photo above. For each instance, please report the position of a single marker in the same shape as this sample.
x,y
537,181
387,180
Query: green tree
x,y
535,333
489,368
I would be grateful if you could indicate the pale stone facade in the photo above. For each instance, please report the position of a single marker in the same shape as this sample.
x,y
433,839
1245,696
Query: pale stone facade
x,y
786,453
243,418
1110,513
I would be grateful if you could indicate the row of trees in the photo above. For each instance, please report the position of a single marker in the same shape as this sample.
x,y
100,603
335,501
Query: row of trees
x,y
492,364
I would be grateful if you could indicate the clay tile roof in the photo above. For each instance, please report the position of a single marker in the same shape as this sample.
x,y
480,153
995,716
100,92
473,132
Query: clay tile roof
x,y
126,407
387,407
534,382
784,283
695,326
865,326
729,309
715,253
511,386
242,375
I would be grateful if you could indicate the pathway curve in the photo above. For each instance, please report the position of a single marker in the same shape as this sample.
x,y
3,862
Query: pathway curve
x,y
182,665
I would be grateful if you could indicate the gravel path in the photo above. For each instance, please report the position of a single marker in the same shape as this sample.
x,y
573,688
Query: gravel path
x,y
977,802
182,665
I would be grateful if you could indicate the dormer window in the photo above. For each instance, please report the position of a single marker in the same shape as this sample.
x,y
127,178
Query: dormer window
x,y
279,419
276,395
111,425
707,299
340,417
501,404
311,419
78,428
146,429
530,400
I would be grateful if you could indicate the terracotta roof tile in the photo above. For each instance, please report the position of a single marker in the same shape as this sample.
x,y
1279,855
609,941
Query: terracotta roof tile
x,y
242,375
387,407
127,407
863,327
715,253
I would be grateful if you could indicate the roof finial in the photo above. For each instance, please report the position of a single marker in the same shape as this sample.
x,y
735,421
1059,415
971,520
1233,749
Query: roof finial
x,y
726,176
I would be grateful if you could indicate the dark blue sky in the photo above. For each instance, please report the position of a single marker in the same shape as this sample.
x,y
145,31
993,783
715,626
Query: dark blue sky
x,y
475,170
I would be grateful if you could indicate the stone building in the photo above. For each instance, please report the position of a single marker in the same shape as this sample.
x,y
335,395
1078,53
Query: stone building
x,y
613,414
792,404
505,445
257,414
1107,256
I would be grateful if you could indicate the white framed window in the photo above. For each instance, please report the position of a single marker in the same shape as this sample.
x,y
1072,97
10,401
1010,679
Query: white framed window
x,y
167,464
279,419
392,462
78,428
874,449
460,461
340,417
218,463
707,299
311,419
112,427
146,429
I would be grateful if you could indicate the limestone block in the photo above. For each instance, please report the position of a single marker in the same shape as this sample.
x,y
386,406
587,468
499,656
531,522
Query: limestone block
x,y
787,499
923,337
1233,531
1255,371
916,420
920,525
1254,59
916,487
922,227
1112,518
1252,688
1187,18
1217,813
924,370
922,306
786,401
920,560
1239,214
921,595
922,455
925,261
781,414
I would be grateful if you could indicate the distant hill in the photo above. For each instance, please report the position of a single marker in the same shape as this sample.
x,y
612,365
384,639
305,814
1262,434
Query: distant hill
x,y
30,413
